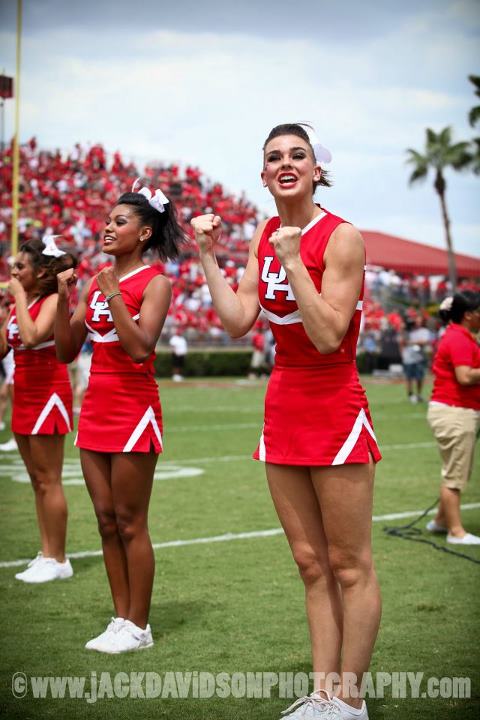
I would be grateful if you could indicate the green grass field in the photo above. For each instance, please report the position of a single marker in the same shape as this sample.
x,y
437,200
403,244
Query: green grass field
x,y
236,605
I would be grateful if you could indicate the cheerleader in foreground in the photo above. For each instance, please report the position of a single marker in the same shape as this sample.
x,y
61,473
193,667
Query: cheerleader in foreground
x,y
120,426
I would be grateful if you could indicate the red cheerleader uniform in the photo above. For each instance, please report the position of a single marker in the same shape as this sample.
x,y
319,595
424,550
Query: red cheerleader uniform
x,y
121,409
42,397
316,411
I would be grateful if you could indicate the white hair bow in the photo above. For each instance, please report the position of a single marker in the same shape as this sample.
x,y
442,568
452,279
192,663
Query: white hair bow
x,y
322,155
157,201
51,248
446,304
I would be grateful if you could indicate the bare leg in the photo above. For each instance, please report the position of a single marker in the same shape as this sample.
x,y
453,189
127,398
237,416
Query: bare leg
x,y
45,458
450,507
345,494
4,393
299,512
132,478
97,472
419,387
23,442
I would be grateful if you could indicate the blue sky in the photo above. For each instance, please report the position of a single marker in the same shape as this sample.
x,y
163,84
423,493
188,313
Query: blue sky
x,y
204,82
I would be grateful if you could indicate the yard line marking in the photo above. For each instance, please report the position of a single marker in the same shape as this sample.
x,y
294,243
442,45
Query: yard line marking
x,y
227,537
5,461
234,458
401,446
210,408
208,427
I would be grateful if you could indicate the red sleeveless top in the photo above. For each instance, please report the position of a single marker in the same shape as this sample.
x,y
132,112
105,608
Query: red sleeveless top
x,y
293,346
108,355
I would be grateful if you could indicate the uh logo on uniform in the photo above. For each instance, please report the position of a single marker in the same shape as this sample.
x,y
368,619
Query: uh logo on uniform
x,y
12,330
275,281
100,309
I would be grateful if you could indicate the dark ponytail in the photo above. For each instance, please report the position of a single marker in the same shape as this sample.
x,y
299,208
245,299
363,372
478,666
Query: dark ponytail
x,y
167,235
453,308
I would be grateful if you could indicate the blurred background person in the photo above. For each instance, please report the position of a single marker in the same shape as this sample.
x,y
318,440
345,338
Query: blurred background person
x,y
179,347
415,342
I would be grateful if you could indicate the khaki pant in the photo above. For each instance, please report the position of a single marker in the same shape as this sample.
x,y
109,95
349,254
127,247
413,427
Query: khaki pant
x,y
455,430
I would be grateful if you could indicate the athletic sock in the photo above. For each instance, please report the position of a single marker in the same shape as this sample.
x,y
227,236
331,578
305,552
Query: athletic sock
x,y
354,712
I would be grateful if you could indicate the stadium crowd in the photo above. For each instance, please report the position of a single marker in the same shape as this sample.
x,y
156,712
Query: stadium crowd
x,y
69,194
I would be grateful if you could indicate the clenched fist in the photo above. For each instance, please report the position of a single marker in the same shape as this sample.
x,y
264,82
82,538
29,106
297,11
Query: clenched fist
x,y
286,243
208,229
15,287
66,280
107,281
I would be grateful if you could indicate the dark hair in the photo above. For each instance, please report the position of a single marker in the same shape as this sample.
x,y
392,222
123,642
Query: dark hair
x,y
47,283
167,235
461,303
299,131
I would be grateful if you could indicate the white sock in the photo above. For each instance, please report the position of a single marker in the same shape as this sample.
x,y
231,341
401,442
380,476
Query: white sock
x,y
354,712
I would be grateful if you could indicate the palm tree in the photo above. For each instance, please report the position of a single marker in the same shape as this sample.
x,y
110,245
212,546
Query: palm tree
x,y
474,117
440,154
474,114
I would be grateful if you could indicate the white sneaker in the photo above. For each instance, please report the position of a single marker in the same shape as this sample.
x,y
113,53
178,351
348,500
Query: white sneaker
x,y
434,527
38,557
131,637
121,636
103,642
2,425
467,539
177,378
46,570
345,713
9,446
314,707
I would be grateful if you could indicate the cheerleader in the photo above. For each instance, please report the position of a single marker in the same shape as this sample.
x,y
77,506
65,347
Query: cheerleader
x,y
42,398
305,270
122,310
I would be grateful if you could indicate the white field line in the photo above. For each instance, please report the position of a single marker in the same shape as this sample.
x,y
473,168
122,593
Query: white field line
x,y
207,427
227,537
218,458
234,458
242,426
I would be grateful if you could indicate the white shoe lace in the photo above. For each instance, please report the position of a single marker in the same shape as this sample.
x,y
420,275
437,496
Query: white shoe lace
x,y
36,559
329,710
115,625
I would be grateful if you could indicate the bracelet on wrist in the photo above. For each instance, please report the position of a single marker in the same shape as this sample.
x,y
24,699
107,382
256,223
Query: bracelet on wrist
x,y
112,295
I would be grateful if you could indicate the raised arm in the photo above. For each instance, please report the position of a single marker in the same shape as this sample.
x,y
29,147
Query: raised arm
x,y
325,316
32,332
138,340
70,333
237,310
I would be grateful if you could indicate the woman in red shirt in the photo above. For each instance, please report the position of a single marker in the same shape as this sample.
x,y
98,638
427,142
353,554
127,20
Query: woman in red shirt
x,y
454,409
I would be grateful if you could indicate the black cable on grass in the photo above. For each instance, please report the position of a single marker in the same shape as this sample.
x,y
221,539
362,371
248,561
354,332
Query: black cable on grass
x,y
409,532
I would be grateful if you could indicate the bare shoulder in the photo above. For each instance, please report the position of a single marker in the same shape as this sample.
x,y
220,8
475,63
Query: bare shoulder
x,y
256,237
345,246
50,303
158,285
